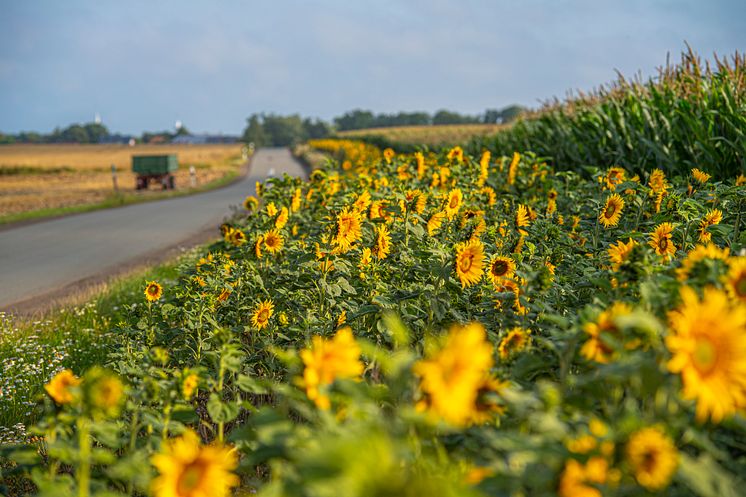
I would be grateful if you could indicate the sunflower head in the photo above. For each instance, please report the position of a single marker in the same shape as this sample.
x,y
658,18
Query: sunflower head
x,y
614,176
60,387
186,468
153,291
735,280
599,333
273,241
700,176
620,253
262,313
454,200
653,457
469,262
612,211
707,341
500,267
349,229
103,392
435,222
513,342
383,242
661,240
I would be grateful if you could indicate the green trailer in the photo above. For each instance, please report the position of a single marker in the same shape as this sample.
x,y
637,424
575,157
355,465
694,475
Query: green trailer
x,y
156,168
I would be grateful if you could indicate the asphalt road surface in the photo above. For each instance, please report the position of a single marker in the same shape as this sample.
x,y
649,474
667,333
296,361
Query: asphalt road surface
x,y
41,258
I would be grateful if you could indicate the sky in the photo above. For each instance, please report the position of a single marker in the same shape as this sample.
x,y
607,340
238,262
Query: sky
x,y
144,64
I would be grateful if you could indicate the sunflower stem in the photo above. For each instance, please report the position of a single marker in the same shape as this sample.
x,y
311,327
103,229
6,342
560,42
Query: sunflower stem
x,y
84,471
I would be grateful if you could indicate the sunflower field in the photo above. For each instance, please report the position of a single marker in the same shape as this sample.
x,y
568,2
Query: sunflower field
x,y
434,324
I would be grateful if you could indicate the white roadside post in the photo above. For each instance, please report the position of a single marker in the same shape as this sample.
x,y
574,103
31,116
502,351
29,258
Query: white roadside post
x,y
192,176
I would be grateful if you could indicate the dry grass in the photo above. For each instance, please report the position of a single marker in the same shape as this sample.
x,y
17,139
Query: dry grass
x,y
64,176
427,135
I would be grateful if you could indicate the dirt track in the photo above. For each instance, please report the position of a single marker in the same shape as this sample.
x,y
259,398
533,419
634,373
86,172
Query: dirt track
x,y
46,260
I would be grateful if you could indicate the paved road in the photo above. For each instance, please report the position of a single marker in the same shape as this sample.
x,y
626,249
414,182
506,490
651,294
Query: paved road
x,y
44,257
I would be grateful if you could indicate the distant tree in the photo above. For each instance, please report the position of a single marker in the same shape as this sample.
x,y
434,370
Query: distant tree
x,y
492,116
74,133
511,112
354,119
316,129
283,131
6,139
182,131
449,117
96,132
254,132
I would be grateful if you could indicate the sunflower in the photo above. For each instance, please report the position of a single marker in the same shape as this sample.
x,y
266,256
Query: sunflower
x,y
388,154
521,219
250,203
362,202
469,262
188,469
697,255
489,402
484,167
514,341
580,480
653,457
378,210
382,248
258,246
103,392
295,201
657,181
708,342
235,237
420,160
453,374
701,176
59,386
500,267
348,229
282,218
711,218
741,180
612,211
327,360
735,280
619,253
273,241
153,291
435,222
660,240
417,199
605,327
271,209
189,385
262,313
614,176
455,154
453,202
491,195
513,168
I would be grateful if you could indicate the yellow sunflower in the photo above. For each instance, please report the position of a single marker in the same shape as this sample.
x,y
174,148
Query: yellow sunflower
x,y
595,348
271,209
378,210
295,201
711,218
619,253
581,480
453,202
452,375
186,468
469,262
327,360
59,386
521,219
153,291
489,402
258,246
500,267
262,313
660,240
614,176
273,241
701,176
513,342
189,385
456,154
250,203
362,202
708,342
513,168
435,222
657,181
282,218
382,248
697,255
418,199
235,237
653,457
388,154
735,280
103,392
348,229
612,211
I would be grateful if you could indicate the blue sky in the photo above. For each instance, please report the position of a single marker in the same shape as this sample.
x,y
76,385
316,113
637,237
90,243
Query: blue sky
x,y
144,64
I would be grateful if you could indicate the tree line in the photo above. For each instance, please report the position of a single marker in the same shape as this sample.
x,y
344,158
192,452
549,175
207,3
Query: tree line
x,y
278,130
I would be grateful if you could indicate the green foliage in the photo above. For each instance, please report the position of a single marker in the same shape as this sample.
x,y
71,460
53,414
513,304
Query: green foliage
x,y
689,116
